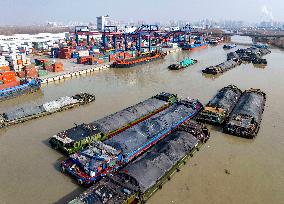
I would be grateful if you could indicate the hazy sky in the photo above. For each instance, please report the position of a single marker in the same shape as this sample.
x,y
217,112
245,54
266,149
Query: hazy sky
x,y
41,11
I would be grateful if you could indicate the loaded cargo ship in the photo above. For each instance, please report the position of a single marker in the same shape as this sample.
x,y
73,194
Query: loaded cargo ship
x,y
221,68
78,137
195,46
183,64
102,158
28,87
220,106
32,112
126,63
245,119
139,180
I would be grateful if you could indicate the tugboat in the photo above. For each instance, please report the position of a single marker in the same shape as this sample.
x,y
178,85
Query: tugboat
x,y
183,64
28,87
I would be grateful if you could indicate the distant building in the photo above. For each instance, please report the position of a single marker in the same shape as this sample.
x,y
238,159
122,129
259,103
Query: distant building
x,y
102,21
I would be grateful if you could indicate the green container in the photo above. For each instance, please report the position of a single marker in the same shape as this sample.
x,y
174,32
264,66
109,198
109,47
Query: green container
x,y
42,73
1,82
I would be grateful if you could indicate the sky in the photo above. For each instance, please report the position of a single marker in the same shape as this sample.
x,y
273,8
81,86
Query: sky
x,y
27,12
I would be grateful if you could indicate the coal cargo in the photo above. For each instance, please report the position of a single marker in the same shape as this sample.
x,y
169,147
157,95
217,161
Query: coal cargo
x,y
76,138
139,180
221,68
219,108
245,119
100,159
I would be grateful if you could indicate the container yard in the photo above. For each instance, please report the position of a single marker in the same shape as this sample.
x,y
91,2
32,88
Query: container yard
x,y
113,111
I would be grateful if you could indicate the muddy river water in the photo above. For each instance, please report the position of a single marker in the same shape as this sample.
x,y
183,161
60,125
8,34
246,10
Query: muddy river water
x,y
227,169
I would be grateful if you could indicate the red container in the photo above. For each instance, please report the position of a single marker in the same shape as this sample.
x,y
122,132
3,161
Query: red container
x,y
21,74
49,68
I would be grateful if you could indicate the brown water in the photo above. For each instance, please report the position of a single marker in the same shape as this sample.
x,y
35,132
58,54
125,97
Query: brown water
x,y
29,167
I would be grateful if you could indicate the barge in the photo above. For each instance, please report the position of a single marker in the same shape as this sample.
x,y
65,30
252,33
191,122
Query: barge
x,y
28,87
102,158
252,53
245,119
229,46
78,137
126,63
219,108
183,64
139,180
221,68
32,112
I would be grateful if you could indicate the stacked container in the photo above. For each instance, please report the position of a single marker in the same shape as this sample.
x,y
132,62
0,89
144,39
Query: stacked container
x,y
58,67
31,72
65,53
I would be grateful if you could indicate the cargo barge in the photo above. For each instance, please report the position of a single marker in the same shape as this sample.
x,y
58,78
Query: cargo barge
x,y
183,64
78,137
139,180
221,68
245,119
219,108
229,46
32,112
102,158
195,46
249,54
126,63
28,87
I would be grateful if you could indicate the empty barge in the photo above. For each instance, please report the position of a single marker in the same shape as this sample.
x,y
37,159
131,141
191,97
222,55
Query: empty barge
x,y
245,119
219,108
28,87
100,159
126,63
76,138
31,112
139,180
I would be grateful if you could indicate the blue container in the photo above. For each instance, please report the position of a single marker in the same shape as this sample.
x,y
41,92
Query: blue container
x,y
75,55
91,52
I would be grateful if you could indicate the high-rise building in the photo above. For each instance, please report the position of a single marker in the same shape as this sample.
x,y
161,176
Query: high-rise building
x,y
102,21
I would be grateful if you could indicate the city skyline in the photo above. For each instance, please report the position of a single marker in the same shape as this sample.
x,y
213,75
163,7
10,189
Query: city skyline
x,y
39,12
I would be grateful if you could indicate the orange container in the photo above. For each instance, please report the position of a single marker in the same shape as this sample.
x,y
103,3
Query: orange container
x,y
9,85
5,68
19,62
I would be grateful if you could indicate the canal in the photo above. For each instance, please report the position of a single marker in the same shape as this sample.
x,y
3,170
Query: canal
x,y
227,169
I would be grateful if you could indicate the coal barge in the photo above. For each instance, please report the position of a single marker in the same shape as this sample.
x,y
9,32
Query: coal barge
x,y
126,63
32,112
139,180
27,87
219,108
102,158
78,137
221,68
245,119
249,54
